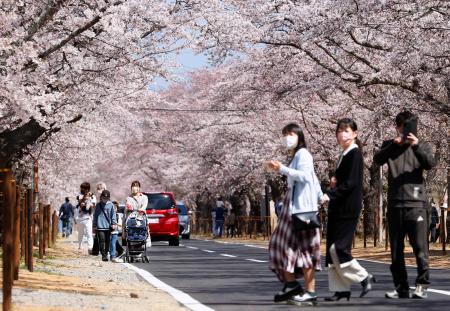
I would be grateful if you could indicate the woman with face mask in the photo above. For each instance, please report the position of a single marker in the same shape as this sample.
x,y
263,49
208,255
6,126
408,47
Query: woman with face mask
x,y
296,253
343,215
136,202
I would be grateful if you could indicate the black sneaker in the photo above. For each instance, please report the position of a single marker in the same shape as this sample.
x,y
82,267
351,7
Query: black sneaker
x,y
105,258
288,292
398,293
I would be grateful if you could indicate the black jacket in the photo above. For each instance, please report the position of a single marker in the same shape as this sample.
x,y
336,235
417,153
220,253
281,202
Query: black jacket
x,y
346,197
406,165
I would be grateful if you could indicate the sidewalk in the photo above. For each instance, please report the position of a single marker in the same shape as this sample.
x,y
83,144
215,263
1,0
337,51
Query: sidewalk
x,y
69,279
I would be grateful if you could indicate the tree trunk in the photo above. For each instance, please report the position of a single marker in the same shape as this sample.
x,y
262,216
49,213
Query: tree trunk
x,y
14,142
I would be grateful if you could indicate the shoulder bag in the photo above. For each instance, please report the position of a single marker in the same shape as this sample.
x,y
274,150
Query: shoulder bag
x,y
304,220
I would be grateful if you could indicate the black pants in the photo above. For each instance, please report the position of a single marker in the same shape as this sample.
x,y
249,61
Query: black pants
x,y
340,232
433,233
104,238
95,249
230,230
412,222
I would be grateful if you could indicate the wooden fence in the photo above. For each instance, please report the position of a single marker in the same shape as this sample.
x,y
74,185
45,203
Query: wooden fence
x,y
25,225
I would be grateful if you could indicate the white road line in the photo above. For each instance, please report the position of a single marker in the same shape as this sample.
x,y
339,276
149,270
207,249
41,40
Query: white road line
x,y
192,247
437,291
256,260
227,255
208,251
223,242
381,262
255,246
180,296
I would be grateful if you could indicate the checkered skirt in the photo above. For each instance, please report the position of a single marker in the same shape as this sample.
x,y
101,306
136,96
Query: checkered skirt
x,y
291,251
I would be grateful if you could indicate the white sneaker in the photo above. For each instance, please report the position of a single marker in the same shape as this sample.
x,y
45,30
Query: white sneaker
x,y
307,299
420,292
116,259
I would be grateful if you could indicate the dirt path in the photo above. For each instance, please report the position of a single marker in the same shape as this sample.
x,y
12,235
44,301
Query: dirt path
x,y
69,279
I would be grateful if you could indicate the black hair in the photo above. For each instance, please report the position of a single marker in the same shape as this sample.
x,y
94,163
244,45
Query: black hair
x,y
67,199
345,123
85,186
295,128
136,183
404,116
105,194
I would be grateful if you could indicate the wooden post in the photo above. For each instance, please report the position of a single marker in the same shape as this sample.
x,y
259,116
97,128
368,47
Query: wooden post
x,y
30,227
8,197
54,227
41,231
16,235
25,225
49,226
44,227
22,223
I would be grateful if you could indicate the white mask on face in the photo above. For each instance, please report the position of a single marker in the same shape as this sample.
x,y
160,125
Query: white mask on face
x,y
290,141
134,190
345,138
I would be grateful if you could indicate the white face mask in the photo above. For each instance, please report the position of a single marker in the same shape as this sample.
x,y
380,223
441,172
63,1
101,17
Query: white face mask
x,y
134,190
290,141
346,138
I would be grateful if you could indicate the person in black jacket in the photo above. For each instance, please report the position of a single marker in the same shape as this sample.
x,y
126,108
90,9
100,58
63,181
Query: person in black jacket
x,y
343,215
434,223
407,158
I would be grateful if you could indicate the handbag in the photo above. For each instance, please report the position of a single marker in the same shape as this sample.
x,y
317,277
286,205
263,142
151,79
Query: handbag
x,y
305,220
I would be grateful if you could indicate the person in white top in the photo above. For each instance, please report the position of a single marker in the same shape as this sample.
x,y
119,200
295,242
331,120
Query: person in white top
x,y
136,202
85,207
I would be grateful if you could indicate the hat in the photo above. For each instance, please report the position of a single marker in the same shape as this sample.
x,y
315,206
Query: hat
x,y
105,194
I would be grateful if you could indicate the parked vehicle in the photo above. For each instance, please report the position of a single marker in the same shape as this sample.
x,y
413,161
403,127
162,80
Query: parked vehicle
x,y
184,219
162,216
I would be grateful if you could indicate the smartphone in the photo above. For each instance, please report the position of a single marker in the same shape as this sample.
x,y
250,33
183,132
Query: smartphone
x,y
410,126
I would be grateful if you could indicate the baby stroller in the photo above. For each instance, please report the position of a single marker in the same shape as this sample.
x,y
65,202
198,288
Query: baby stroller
x,y
137,233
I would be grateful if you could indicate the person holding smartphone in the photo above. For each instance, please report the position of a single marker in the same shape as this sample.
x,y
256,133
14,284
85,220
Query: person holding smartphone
x,y
407,157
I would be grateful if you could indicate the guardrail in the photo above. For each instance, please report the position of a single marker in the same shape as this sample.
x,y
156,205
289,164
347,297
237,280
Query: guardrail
x,y
24,226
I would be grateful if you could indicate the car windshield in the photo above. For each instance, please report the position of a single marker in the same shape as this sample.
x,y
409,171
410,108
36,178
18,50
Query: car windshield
x,y
159,201
182,209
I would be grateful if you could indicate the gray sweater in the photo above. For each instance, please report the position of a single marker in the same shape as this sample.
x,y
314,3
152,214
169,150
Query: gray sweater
x,y
406,166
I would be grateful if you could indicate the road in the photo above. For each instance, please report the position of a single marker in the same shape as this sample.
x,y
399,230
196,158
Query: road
x,y
225,276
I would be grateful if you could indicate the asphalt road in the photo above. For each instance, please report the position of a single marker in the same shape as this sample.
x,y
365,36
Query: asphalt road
x,y
236,277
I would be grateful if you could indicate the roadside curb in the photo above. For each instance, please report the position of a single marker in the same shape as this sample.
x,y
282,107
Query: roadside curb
x,y
179,296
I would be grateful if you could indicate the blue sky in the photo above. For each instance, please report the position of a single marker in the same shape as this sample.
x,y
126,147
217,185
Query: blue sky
x,y
189,61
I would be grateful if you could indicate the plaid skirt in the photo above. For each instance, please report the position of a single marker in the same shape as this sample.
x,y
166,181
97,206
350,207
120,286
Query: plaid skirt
x,y
291,251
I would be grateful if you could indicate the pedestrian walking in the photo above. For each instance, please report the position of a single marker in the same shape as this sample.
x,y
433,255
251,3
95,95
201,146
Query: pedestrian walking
x,y
344,210
95,248
136,202
105,222
66,213
294,253
86,201
231,224
407,157
115,248
434,223
220,218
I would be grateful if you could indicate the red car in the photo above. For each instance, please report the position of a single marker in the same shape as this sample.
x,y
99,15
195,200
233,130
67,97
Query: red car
x,y
162,217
